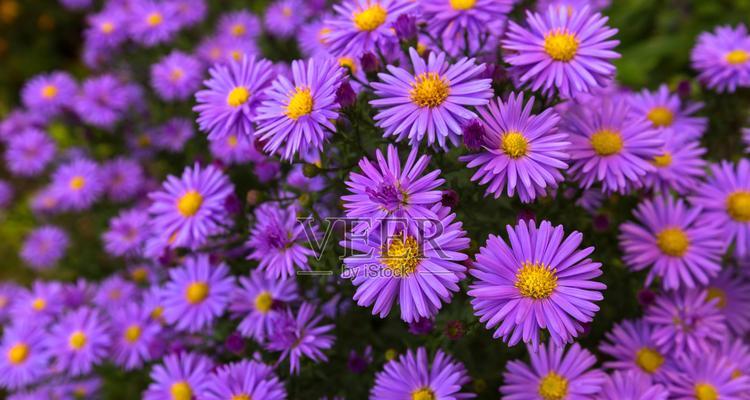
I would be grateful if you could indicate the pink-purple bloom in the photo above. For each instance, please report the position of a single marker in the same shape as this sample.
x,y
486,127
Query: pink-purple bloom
x,y
176,76
631,385
631,347
722,58
29,152
44,247
134,333
79,341
78,184
49,94
25,357
244,380
179,376
300,335
259,301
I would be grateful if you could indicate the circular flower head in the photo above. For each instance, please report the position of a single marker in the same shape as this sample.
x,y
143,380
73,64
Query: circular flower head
x,y
197,293
519,150
258,301
177,76
431,101
78,184
239,24
23,355
134,333
79,340
181,376
191,208
230,101
173,134
684,320
284,17
153,22
676,241
554,374
235,149
632,385
296,118
420,270
679,167
44,247
722,58
38,305
665,111
124,178
725,198
49,94
610,145
244,380
707,376
115,292
631,346
541,280
104,100
311,37
106,29
414,376
737,353
301,335
362,26
733,294
127,233
29,152
569,52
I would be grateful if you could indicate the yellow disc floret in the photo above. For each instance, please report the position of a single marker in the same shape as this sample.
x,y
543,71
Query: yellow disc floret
x,y
738,205
553,387
536,281
77,340
606,142
263,301
423,394
196,292
461,5
402,255
561,45
238,96
300,103
673,242
661,116
154,19
429,90
189,204
18,353
181,391
133,333
649,360
737,57
716,293
706,391
515,144
49,91
370,18
77,183
663,160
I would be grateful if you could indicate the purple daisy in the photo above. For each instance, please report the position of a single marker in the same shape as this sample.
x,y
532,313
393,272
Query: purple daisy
x,y
107,29
540,281
8,293
284,17
39,304
177,76
115,292
632,348
610,145
258,300
665,111
567,52
44,247
725,199
48,94
402,267
79,341
296,118
244,380
277,241
127,233
300,335
152,22
19,120
189,12
124,178
197,293
133,335
25,357
190,209
684,320
235,149
733,294
181,376
362,26
722,58
104,100
675,241
679,167
78,184
415,376
240,24
707,376
29,152
228,105
554,373
737,352
631,385
311,37
473,18
173,134
430,103
518,149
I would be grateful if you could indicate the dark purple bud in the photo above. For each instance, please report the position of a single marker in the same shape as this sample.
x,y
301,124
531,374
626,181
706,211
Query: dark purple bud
x,y
422,326
259,144
357,364
232,204
474,135
525,215
454,330
450,198
370,63
646,297
406,27
345,95
234,343
684,89
600,222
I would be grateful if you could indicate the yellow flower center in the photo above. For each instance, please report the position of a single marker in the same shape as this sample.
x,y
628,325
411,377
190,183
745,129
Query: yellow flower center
x,y
515,145
181,391
300,103
606,142
553,387
39,304
77,183
189,203
154,19
263,301
107,27
139,274
77,340
663,160
241,397
738,206
238,96
401,255
649,360
236,55
661,116
716,293
370,18
49,91
423,394
429,90
460,5
238,29
287,11
232,141
176,74
196,292
348,62
133,333
737,57
561,45
322,33
706,391
673,242
536,281
157,312
736,374
18,353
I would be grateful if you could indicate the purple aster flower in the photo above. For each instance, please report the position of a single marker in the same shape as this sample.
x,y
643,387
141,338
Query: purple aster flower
x,y
311,37
235,149
177,76
8,293
567,52
733,294
679,167
554,373
105,99
297,179
422,326
675,241
737,352
190,209
470,18
29,152
77,294
267,170
124,178
244,380
541,280
182,376
106,29
725,199
684,320
240,24
631,385
133,335
413,375
519,150
432,101
296,118
78,184
362,26
277,241
228,105
173,134
25,357
48,94
258,301
722,58
197,293
284,17
115,292
152,22
665,111
39,304
79,341
189,12
300,335
18,121
632,348
44,247
707,376
403,267
610,145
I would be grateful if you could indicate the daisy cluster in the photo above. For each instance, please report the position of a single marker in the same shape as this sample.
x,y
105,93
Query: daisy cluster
x,y
287,203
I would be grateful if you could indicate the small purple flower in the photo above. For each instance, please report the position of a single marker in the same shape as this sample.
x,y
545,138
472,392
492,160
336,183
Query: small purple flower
x,y
152,22
240,24
39,304
123,178
631,346
665,111
422,326
258,300
78,184
244,380
679,167
707,376
115,292
104,100
176,76
107,29
181,376
235,149
79,341
48,94
25,357
631,385
133,335
300,335
284,17
722,58
44,247
733,294
189,12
